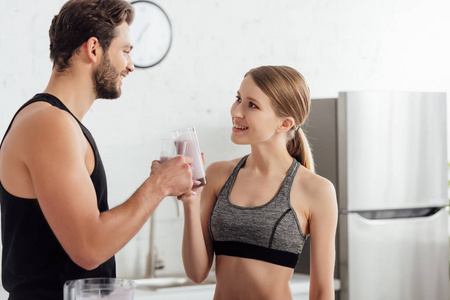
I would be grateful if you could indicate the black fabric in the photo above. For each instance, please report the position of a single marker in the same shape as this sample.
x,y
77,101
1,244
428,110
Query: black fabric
x,y
34,264
239,249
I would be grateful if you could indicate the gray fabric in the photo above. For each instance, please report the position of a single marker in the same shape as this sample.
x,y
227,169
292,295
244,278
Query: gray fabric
x,y
273,225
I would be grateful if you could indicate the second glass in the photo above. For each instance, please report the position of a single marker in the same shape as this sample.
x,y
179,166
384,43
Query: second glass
x,y
189,136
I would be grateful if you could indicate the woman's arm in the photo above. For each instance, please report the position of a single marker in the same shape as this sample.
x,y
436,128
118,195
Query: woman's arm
x,y
323,223
197,250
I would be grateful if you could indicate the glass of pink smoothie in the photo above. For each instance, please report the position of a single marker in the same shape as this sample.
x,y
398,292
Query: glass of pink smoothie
x,y
189,136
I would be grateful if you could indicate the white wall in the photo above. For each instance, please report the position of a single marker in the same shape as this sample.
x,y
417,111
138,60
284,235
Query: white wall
x,y
338,45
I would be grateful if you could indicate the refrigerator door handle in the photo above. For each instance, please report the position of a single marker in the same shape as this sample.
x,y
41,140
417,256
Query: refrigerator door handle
x,y
395,213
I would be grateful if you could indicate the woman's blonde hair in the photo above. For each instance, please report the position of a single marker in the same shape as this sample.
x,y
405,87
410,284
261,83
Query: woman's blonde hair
x,y
290,96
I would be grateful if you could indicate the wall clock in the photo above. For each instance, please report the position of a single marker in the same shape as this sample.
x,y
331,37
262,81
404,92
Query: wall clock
x,y
151,32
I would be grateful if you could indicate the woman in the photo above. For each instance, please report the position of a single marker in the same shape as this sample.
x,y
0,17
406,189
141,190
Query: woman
x,y
256,212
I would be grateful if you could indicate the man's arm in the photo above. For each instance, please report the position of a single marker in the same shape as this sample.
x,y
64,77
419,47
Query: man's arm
x,y
54,151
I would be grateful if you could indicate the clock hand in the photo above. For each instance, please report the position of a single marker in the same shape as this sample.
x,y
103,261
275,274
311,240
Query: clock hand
x,y
142,32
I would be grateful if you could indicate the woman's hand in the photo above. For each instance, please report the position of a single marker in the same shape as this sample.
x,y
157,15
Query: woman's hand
x,y
195,194
191,197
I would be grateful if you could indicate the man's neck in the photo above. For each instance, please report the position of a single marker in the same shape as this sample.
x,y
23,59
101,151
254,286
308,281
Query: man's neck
x,y
75,90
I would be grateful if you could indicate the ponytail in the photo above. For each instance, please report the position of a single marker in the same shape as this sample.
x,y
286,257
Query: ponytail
x,y
290,97
298,148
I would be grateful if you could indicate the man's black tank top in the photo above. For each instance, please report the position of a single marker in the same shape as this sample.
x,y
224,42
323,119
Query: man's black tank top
x,y
34,264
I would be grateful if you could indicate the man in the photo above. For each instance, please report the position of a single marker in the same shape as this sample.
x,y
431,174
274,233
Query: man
x,y
56,224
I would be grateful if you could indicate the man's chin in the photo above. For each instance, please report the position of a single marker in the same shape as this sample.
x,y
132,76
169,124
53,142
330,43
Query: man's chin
x,y
109,96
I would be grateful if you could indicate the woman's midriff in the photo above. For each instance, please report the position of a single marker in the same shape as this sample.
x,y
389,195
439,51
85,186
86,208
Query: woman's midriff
x,y
242,278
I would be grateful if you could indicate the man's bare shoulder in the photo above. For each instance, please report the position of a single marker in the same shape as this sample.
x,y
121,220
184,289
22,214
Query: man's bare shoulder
x,y
42,113
41,137
41,125
43,118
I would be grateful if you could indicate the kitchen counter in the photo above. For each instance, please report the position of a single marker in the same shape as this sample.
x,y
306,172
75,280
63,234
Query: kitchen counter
x,y
299,287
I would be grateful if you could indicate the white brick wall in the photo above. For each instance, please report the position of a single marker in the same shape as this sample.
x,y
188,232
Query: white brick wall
x,y
338,45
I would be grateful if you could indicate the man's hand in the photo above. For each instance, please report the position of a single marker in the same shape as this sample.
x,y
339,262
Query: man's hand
x,y
174,176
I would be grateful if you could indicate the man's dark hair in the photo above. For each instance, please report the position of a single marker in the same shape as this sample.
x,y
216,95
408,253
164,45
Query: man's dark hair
x,y
80,20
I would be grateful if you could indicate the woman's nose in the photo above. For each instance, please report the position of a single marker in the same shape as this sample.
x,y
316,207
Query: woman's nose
x,y
236,111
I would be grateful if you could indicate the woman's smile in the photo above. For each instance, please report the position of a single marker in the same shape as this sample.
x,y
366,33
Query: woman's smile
x,y
237,127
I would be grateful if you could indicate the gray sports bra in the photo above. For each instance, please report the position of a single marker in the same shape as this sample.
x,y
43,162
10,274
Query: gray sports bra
x,y
270,232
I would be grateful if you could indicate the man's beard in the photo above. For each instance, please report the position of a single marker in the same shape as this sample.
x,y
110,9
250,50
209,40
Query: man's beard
x,y
105,80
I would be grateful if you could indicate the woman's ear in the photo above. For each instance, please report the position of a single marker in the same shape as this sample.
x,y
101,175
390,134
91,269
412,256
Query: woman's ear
x,y
93,49
287,124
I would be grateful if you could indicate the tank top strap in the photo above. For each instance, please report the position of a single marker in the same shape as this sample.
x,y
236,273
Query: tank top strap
x,y
285,186
39,97
53,101
230,182
289,179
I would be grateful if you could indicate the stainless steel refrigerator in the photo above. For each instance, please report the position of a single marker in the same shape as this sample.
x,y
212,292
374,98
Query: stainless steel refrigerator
x,y
386,153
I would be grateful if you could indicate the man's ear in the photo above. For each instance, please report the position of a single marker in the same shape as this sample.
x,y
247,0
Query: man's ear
x,y
287,124
93,49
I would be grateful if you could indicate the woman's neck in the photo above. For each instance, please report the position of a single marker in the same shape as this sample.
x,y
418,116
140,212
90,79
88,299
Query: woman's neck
x,y
269,158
